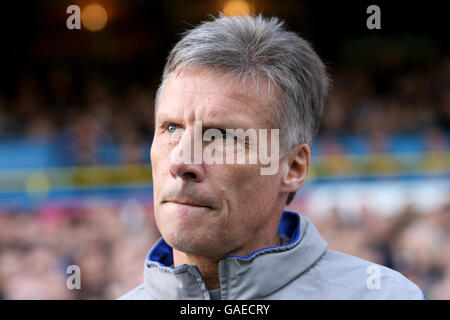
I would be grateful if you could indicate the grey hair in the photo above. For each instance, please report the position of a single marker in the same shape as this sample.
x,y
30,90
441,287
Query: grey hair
x,y
257,46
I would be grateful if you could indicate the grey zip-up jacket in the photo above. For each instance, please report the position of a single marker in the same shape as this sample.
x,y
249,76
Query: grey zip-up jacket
x,y
302,269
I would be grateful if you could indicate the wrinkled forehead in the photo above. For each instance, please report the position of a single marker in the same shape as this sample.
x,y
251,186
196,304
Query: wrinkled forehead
x,y
254,93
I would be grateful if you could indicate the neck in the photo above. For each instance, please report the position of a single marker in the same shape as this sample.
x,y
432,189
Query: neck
x,y
209,267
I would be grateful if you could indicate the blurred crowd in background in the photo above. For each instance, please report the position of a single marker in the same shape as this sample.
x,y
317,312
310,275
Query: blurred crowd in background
x,y
80,121
110,244
83,114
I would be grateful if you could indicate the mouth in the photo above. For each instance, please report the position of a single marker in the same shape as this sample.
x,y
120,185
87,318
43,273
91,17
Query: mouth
x,y
188,203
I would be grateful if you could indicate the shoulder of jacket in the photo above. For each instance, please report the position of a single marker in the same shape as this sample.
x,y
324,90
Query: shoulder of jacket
x,y
362,279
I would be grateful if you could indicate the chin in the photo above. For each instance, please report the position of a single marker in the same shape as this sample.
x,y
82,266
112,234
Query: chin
x,y
190,237
196,243
181,217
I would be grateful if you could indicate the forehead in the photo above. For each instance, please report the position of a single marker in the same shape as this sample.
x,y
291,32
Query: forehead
x,y
202,95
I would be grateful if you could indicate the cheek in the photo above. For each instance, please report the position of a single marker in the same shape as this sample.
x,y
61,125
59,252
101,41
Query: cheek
x,y
242,187
249,199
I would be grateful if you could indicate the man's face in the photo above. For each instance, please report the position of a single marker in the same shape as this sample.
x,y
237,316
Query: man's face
x,y
210,209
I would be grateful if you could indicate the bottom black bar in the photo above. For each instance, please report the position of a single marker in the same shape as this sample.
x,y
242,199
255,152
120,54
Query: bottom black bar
x,y
254,309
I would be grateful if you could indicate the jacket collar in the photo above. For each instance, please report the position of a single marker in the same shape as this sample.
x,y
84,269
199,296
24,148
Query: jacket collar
x,y
255,276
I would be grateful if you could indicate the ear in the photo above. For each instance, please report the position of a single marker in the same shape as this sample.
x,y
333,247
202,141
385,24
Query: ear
x,y
298,160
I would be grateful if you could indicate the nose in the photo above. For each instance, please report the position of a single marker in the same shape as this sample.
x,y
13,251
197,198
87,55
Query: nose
x,y
182,160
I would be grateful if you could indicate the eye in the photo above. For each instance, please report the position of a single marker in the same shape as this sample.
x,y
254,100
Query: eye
x,y
171,128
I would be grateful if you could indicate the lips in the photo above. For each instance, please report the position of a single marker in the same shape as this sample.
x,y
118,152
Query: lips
x,y
189,203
